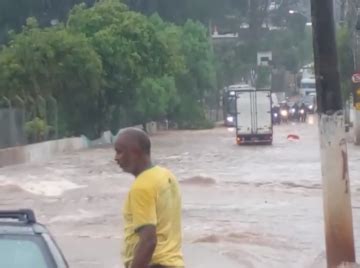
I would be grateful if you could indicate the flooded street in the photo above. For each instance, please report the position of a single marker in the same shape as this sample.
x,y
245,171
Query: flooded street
x,y
251,206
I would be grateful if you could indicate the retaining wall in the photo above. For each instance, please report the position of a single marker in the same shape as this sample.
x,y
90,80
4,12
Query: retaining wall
x,y
40,152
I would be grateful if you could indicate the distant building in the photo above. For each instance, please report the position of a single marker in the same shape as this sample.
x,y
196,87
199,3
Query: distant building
x,y
216,35
264,58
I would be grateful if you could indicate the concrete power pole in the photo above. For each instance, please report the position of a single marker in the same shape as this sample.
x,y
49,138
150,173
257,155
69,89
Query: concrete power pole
x,y
334,163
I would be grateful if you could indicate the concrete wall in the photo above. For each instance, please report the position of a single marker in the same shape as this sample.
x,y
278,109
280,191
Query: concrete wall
x,y
44,151
40,151
12,156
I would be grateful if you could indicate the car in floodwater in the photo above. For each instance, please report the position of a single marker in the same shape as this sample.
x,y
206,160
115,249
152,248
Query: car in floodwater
x,y
24,243
229,102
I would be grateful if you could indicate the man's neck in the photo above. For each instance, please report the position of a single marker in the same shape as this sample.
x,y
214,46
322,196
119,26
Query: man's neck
x,y
147,164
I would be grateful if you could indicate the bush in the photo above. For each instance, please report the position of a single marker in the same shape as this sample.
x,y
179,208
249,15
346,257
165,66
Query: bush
x,y
37,130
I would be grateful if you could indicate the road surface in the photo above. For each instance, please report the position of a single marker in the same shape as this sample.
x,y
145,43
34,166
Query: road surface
x,y
252,206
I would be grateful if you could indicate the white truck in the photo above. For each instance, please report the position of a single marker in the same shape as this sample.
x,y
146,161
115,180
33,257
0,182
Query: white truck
x,y
308,86
253,117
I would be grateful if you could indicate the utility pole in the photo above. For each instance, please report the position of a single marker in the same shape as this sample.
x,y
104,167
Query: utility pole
x,y
334,162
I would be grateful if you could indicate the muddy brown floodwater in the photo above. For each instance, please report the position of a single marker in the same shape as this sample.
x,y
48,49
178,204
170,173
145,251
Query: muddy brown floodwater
x,y
252,206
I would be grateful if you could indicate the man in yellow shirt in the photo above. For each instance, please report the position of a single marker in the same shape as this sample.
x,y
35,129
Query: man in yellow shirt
x,y
152,210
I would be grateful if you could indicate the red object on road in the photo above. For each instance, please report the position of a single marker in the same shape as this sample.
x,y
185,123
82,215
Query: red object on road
x,y
293,137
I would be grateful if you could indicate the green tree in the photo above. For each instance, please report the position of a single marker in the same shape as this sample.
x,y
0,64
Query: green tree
x,y
180,11
134,55
263,77
199,80
13,14
170,36
155,98
193,67
36,130
109,66
53,62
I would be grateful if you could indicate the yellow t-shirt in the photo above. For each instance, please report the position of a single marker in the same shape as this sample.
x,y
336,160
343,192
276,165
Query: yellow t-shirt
x,y
155,199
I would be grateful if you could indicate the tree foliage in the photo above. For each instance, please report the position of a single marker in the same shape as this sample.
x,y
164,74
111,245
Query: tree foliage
x,y
139,61
53,62
109,66
111,63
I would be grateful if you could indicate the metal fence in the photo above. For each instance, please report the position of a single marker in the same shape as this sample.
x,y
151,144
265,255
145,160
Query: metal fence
x,y
12,122
17,111
214,115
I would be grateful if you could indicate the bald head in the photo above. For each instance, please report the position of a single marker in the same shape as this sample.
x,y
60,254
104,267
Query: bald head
x,y
133,148
135,137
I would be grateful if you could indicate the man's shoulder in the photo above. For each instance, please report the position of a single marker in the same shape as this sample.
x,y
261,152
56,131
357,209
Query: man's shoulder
x,y
155,172
162,174
153,178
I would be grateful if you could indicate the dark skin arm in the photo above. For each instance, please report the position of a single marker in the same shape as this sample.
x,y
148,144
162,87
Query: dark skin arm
x,y
145,248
